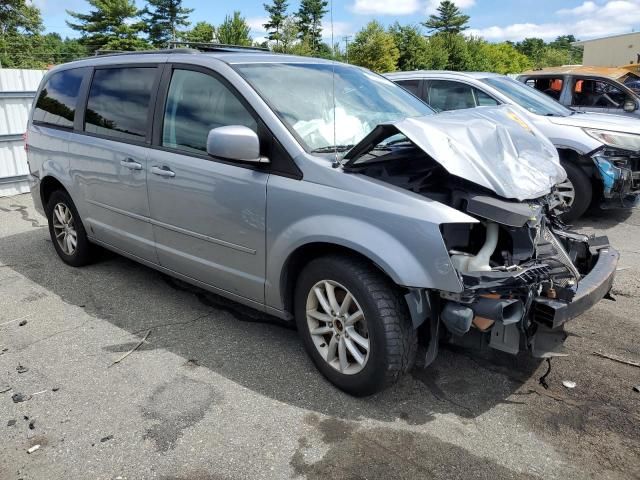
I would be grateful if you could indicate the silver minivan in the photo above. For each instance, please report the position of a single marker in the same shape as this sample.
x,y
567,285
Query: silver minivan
x,y
319,193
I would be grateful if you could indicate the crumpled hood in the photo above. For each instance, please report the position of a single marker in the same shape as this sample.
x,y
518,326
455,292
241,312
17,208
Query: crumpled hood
x,y
490,146
601,121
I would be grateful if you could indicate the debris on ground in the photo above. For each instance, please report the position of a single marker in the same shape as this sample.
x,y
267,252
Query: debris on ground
x,y
615,358
22,323
106,439
32,425
11,423
4,388
569,384
55,389
19,397
133,349
21,369
3,351
636,388
543,378
33,449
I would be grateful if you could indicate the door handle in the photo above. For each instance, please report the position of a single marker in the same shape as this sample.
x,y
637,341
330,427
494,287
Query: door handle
x,y
131,164
162,171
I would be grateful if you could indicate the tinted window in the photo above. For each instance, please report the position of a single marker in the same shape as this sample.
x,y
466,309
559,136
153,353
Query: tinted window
x,y
444,95
196,103
410,85
597,93
484,100
119,102
56,103
529,98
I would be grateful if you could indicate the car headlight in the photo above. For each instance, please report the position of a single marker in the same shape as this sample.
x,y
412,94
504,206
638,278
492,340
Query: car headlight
x,y
624,141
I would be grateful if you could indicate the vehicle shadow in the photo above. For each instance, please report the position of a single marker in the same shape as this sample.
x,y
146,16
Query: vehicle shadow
x,y
598,219
260,353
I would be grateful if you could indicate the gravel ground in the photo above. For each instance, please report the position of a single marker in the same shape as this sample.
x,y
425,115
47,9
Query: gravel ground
x,y
216,392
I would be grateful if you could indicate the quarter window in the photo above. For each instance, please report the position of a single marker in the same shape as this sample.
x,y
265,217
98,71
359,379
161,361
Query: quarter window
x,y
118,103
197,103
56,104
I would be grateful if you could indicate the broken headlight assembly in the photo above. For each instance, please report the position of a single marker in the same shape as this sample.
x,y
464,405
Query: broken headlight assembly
x,y
623,141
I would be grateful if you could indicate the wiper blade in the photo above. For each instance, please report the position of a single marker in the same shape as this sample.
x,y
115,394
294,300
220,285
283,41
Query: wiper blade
x,y
332,148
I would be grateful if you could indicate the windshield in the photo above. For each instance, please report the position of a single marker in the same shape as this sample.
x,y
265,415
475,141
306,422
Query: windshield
x,y
528,97
302,96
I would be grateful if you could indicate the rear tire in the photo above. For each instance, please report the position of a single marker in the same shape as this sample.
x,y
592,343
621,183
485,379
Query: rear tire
x,y
337,346
67,232
579,183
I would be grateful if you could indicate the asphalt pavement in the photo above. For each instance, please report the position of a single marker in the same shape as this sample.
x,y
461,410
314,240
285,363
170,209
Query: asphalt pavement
x,y
218,392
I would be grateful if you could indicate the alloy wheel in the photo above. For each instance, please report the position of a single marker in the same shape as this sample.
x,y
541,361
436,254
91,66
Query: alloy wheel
x,y
567,192
338,327
64,228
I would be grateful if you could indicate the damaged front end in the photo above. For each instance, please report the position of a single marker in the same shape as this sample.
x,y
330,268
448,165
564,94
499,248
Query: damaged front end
x,y
619,171
523,274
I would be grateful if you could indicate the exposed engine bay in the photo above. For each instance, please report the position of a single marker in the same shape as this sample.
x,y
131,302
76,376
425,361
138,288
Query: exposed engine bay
x,y
519,266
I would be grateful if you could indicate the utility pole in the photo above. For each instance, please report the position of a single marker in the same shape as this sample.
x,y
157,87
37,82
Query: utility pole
x,y
346,39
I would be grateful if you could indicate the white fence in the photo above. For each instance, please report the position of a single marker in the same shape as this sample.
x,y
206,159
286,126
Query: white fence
x,y
17,89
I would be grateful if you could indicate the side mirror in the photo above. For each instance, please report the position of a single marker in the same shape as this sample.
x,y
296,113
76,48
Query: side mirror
x,y
630,106
235,142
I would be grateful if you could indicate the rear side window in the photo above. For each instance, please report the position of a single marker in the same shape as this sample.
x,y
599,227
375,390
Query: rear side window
x,y
197,103
446,95
56,104
118,103
412,86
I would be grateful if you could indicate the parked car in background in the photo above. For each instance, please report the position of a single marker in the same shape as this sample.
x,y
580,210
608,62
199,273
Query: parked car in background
x,y
320,193
601,153
588,89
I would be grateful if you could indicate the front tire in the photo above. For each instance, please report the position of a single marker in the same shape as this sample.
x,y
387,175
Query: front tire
x,y
354,324
67,232
576,191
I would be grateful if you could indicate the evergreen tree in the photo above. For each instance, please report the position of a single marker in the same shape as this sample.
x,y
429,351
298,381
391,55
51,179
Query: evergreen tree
x,y
277,16
19,17
108,26
202,32
234,31
310,16
448,20
163,18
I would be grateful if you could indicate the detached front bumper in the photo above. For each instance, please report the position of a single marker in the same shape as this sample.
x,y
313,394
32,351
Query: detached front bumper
x,y
620,175
590,290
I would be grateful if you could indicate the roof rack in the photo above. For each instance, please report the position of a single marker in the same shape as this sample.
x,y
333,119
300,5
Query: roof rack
x,y
214,47
103,53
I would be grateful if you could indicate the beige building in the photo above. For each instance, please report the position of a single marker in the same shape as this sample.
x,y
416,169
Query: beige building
x,y
611,51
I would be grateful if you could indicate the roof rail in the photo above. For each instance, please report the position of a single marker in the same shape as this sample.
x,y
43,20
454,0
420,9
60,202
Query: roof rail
x,y
215,47
104,53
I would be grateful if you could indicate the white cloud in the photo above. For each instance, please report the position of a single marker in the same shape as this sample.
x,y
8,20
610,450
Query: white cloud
x,y
257,24
401,7
587,20
586,7
386,7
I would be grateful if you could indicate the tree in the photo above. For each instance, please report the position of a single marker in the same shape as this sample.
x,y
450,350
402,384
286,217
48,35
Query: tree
x,y
565,42
310,16
234,31
532,48
163,18
202,32
109,25
412,45
288,35
277,16
19,17
448,20
374,48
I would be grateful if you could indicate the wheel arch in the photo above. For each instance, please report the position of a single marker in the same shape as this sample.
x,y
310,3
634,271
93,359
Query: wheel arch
x,y
586,164
48,185
304,254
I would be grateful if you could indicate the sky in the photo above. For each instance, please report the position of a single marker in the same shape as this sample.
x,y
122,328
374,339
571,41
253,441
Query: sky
x,y
495,20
